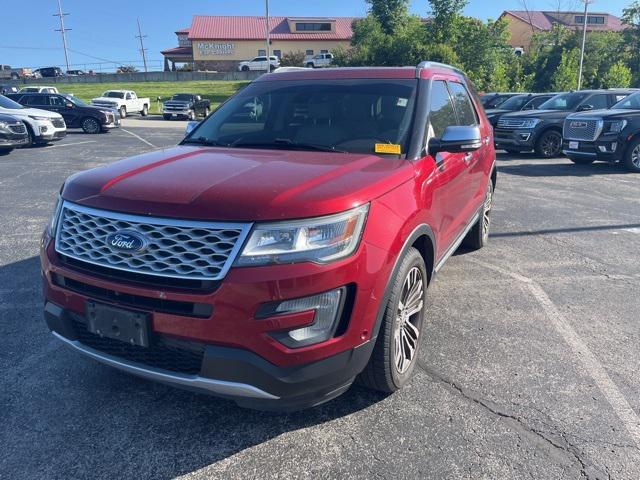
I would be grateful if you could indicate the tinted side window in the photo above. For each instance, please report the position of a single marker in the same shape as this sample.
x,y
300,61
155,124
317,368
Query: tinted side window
x,y
57,101
536,102
441,112
35,100
597,102
464,108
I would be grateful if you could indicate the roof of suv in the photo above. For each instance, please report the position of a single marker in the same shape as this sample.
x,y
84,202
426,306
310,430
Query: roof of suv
x,y
423,70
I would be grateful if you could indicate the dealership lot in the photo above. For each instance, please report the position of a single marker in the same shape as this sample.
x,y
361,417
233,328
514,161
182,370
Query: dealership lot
x,y
529,365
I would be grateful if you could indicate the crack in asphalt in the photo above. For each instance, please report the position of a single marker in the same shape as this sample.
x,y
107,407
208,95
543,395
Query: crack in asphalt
x,y
563,446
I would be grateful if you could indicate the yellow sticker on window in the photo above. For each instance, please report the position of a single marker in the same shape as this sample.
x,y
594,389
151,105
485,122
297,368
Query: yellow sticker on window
x,y
392,148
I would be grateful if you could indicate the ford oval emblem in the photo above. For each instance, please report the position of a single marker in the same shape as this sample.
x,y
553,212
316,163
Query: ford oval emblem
x,y
127,241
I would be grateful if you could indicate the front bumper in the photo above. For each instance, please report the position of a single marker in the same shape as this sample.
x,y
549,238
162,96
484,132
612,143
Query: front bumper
x,y
522,139
606,150
11,139
233,373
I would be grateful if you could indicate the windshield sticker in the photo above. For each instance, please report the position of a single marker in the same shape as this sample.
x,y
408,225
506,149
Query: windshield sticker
x,y
402,102
392,148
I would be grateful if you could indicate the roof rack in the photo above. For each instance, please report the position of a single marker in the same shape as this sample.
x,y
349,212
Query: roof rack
x,y
429,64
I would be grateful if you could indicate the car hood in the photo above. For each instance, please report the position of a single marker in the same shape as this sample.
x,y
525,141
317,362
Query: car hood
x,y
617,113
106,99
543,114
212,183
495,111
25,112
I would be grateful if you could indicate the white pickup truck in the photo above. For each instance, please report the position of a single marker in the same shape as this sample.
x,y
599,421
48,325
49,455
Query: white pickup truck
x,y
125,101
319,60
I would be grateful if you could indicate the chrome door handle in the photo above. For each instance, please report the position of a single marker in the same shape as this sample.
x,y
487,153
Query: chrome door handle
x,y
468,156
486,140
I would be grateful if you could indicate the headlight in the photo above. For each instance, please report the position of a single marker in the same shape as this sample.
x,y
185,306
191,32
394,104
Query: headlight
x,y
35,117
616,126
53,223
531,123
319,240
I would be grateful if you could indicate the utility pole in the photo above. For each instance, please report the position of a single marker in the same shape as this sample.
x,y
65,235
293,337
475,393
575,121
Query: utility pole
x,y
584,39
142,49
268,46
63,31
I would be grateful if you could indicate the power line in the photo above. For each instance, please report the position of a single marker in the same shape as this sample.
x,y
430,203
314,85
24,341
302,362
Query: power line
x,y
63,31
142,49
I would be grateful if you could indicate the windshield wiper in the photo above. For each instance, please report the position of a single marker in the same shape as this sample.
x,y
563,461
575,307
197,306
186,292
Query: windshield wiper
x,y
204,141
287,142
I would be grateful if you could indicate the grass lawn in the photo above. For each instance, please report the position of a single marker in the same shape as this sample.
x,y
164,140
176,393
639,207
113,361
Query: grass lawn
x,y
216,91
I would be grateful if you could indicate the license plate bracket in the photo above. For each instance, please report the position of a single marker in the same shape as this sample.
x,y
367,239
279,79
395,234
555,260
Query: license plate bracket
x,y
574,145
118,324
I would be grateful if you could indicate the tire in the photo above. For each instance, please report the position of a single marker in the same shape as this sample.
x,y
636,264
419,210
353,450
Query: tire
x,y
392,360
549,145
166,117
5,151
309,65
272,68
30,137
191,115
631,159
582,160
478,236
245,68
90,125
145,111
206,112
123,112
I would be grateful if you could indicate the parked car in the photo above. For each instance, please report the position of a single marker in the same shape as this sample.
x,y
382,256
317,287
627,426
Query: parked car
x,y
272,258
13,133
495,99
605,135
259,63
519,103
185,105
42,126
6,72
319,60
38,89
75,112
49,72
4,89
541,130
124,101
76,73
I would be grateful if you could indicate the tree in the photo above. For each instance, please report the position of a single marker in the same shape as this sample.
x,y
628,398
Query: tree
x,y
293,59
631,18
389,13
618,76
127,69
444,18
566,76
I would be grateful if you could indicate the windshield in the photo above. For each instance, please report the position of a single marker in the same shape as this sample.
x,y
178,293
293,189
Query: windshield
x,y
30,89
343,115
7,103
113,94
183,97
75,100
516,103
564,101
632,102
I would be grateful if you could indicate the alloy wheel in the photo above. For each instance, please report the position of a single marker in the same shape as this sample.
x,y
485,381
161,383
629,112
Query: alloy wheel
x,y
551,144
90,125
407,330
486,216
635,157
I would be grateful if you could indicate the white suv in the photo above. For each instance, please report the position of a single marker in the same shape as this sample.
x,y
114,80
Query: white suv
x,y
259,63
43,126
320,60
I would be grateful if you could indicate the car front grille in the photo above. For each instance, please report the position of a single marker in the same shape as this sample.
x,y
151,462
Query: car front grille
x,y
582,129
58,123
511,123
18,128
164,353
193,250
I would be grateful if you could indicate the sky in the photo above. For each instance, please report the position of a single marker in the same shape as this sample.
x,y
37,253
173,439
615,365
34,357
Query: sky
x,y
103,33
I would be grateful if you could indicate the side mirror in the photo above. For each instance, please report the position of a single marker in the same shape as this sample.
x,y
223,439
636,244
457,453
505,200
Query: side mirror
x,y
69,105
456,139
191,127
585,108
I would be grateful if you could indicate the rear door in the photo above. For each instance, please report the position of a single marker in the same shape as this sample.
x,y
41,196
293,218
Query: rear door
x,y
448,178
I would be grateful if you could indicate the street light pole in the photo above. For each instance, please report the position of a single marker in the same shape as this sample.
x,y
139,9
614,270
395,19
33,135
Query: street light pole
x,y
584,39
268,46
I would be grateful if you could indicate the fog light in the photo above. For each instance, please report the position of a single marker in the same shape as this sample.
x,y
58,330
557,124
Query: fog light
x,y
614,146
43,129
327,307
525,137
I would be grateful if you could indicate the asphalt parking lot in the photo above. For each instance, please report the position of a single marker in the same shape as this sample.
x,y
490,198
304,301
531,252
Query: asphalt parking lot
x,y
529,366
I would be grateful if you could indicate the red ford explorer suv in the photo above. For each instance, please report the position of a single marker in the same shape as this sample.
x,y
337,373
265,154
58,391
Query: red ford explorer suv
x,y
284,248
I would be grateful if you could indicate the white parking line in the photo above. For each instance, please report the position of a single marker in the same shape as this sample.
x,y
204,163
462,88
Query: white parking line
x,y
138,137
594,368
70,144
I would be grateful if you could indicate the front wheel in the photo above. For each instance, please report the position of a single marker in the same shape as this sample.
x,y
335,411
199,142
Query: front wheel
x,y
245,68
206,112
396,350
90,125
632,157
549,144
191,115
166,117
123,111
478,236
